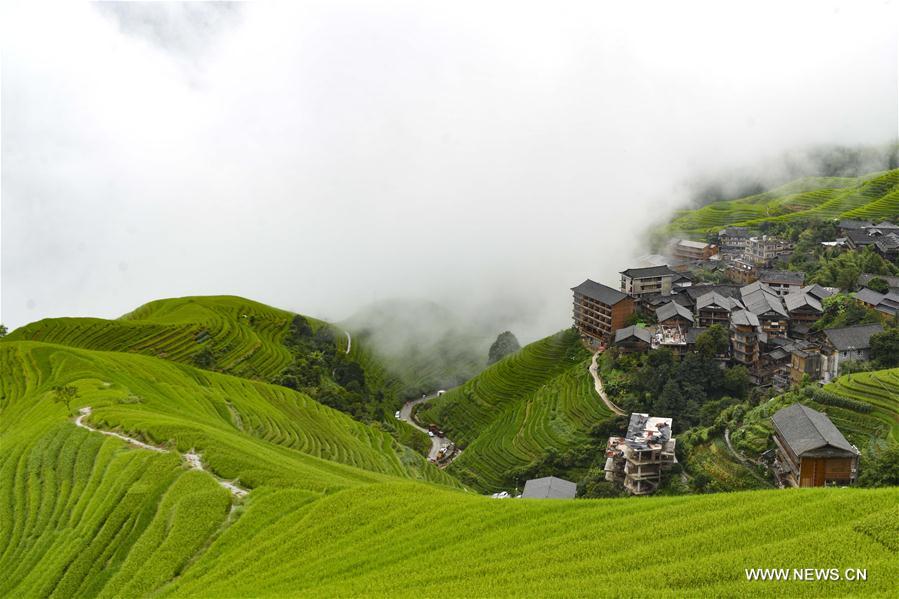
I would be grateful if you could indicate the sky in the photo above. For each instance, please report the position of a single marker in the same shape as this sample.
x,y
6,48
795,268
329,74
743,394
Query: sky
x,y
320,157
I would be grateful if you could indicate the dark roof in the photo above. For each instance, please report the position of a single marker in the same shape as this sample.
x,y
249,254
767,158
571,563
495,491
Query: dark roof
x,y
817,291
859,237
886,225
715,298
869,296
633,331
672,309
762,302
888,242
549,487
806,430
854,337
650,271
694,332
745,318
798,299
697,291
599,292
789,277
855,224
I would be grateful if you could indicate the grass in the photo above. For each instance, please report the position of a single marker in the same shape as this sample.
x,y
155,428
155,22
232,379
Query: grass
x,y
872,197
880,389
338,508
539,398
244,336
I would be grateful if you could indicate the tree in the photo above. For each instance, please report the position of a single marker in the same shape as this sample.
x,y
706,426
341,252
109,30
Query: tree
x,y
3,331
879,468
505,344
736,381
713,342
64,394
885,348
879,285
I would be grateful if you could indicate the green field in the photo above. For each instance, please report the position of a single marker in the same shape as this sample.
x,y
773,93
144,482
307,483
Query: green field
x,y
539,398
872,197
879,389
245,336
339,508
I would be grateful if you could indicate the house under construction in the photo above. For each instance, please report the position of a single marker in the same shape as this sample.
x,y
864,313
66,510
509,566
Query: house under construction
x,y
638,459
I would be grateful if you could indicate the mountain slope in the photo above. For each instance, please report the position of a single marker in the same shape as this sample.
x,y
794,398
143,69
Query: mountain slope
x,y
538,399
872,197
245,337
335,508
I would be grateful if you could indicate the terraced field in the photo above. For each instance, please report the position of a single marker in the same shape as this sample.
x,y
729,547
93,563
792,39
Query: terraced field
x,y
337,508
728,474
872,197
244,336
879,389
539,398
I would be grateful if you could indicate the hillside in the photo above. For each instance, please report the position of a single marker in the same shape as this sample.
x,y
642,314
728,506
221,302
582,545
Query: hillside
x,y
863,405
241,337
422,345
537,400
871,197
245,337
337,508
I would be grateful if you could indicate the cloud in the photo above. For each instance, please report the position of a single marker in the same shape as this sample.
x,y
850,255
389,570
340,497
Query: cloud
x,y
319,157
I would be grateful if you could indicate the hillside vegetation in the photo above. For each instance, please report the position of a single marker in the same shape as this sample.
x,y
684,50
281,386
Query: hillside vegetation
x,y
871,197
245,338
338,508
536,400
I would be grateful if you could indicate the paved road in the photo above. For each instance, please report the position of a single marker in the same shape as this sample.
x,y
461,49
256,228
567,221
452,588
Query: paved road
x,y
597,383
436,442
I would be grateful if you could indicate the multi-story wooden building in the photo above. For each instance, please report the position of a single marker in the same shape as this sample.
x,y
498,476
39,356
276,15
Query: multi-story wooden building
x,y
744,339
633,339
685,249
762,301
714,308
642,282
599,311
811,451
782,282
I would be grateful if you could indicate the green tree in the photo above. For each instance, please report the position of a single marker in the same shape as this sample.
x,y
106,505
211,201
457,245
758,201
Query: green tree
x,y
713,342
505,344
3,331
64,394
885,348
879,285
879,468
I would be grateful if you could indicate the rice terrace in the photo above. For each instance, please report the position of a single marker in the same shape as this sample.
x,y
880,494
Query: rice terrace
x,y
449,300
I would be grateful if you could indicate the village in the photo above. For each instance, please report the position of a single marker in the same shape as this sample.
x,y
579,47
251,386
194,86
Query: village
x,y
769,315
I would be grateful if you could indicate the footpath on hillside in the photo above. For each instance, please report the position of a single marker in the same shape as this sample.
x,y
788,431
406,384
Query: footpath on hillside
x,y
597,384
191,458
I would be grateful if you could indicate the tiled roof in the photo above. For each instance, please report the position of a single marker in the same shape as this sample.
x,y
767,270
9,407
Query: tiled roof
x,y
599,292
805,429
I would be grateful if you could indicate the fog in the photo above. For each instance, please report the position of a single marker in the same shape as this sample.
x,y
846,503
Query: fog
x,y
484,155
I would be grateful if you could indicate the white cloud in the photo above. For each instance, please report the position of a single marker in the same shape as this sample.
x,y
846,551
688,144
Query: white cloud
x,y
323,156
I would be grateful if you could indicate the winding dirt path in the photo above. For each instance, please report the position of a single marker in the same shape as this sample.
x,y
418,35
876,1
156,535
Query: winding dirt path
x,y
349,341
597,384
191,458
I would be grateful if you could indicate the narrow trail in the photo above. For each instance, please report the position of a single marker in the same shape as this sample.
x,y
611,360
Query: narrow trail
x,y
191,458
750,465
436,442
597,383
349,341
